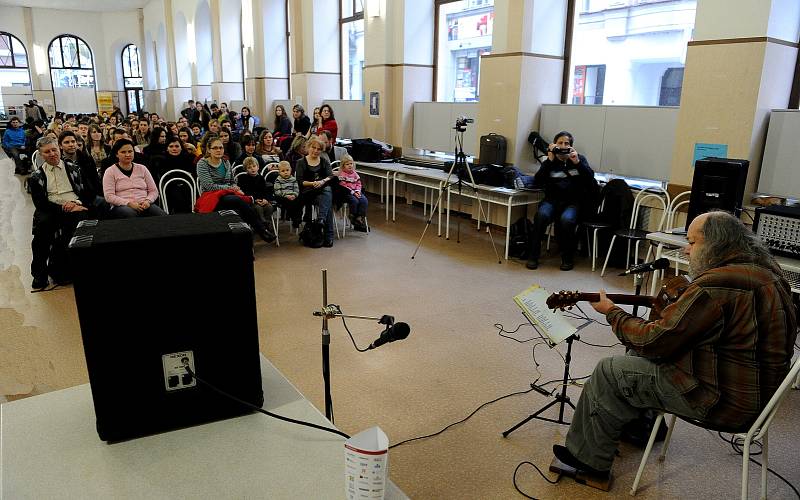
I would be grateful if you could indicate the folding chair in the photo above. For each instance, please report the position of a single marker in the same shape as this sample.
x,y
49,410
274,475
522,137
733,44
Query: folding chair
x,y
757,431
633,233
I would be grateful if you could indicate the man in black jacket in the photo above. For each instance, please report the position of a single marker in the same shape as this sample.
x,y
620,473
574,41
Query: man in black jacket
x,y
569,185
62,201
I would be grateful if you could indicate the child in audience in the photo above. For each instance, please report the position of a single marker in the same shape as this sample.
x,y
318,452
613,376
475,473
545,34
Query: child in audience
x,y
286,191
350,186
253,184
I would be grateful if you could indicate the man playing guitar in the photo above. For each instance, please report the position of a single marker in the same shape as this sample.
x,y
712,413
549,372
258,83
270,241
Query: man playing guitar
x,y
716,354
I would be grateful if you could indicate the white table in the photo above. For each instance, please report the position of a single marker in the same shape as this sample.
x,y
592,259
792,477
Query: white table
x,y
50,449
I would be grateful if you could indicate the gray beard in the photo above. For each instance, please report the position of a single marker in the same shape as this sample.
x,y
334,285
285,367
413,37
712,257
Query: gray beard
x,y
698,263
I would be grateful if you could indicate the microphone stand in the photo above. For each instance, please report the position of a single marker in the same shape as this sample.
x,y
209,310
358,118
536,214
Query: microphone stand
x,y
638,279
328,312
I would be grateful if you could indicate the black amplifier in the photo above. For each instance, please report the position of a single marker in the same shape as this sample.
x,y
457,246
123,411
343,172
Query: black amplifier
x,y
779,227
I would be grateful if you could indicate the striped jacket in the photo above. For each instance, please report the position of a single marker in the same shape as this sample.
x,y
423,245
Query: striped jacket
x,y
726,343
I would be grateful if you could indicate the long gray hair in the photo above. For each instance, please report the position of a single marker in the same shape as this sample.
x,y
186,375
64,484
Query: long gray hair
x,y
727,237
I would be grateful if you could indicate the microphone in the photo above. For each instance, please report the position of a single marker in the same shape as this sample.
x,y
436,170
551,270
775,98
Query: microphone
x,y
647,267
398,331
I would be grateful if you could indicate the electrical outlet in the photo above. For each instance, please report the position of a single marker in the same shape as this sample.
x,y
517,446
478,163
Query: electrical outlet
x,y
176,376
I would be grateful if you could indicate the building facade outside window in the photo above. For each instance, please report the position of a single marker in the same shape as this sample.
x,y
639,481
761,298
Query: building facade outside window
x,y
13,66
132,76
630,52
71,62
352,43
464,35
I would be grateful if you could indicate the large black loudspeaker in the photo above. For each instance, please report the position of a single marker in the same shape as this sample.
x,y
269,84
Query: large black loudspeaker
x,y
157,293
718,184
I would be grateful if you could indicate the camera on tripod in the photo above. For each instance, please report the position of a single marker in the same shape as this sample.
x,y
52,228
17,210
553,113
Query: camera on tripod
x,y
461,123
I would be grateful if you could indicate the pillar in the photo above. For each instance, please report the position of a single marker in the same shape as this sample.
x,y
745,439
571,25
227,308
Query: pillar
x,y
265,48
315,75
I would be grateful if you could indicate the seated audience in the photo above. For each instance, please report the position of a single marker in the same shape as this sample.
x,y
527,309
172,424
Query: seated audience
x,y
315,176
350,186
96,147
246,123
232,148
328,121
141,137
331,151
282,124
157,145
267,149
128,187
297,151
249,147
14,146
717,354
61,201
302,123
285,192
253,184
569,186
316,123
214,174
70,151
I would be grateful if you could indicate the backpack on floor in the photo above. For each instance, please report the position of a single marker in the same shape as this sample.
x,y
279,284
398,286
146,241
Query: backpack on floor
x,y
313,234
519,239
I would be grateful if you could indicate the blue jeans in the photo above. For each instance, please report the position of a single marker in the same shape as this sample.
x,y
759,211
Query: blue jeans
x,y
566,219
358,206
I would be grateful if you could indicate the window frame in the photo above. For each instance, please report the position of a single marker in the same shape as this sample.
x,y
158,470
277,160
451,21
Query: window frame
x,y
78,65
13,65
436,5
139,91
357,15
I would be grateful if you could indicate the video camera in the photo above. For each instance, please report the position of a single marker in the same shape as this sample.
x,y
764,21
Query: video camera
x,y
461,123
562,151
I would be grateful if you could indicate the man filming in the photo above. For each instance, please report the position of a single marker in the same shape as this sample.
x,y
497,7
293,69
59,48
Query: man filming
x,y
717,354
569,186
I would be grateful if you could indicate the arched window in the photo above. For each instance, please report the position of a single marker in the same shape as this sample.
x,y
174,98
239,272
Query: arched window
x,y
13,65
71,63
132,76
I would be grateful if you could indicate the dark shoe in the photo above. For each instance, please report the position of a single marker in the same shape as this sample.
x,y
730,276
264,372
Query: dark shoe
x,y
40,284
327,243
62,282
532,263
637,432
566,265
267,236
564,455
361,227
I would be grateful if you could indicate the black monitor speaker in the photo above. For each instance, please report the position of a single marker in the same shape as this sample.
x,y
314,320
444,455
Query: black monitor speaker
x,y
154,294
718,184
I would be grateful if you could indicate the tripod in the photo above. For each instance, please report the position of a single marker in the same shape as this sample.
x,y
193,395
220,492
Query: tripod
x,y
560,399
459,166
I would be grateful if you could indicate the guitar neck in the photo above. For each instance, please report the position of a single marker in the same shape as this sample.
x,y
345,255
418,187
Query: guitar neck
x,y
618,298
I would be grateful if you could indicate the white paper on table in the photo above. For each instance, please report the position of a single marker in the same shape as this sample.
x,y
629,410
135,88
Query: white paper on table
x,y
366,457
533,302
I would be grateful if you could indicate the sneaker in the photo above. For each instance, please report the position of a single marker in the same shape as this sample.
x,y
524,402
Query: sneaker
x,y
327,243
564,455
267,235
40,283
532,263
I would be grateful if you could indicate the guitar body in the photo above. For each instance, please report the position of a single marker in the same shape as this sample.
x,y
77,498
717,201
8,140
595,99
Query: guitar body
x,y
669,293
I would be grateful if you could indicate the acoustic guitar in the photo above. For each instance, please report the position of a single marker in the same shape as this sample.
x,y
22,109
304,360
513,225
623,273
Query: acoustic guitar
x,y
669,293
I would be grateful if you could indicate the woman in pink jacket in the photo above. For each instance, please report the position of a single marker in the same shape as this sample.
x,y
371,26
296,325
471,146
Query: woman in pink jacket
x,y
128,187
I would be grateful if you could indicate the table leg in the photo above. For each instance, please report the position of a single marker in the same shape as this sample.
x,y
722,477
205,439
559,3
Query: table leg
x,y
394,196
508,225
447,219
439,209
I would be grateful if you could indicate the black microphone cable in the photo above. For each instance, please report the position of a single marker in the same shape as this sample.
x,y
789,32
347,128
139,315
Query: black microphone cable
x,y
261,410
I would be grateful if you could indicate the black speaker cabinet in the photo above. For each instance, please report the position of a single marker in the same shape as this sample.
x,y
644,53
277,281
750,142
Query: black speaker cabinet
x,y
718,184
157,293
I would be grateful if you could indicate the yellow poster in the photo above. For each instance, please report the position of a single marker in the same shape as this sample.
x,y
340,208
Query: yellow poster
x,y
105,102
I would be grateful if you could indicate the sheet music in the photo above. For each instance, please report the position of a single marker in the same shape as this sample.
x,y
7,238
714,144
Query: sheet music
x,y
533,302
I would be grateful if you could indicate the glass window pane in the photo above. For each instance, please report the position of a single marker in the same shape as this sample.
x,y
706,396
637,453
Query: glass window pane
x,y
133,82
135,69
359,6
86,55
55,54
20,57
72,77
347,8
352,59
6,55
465,33
70,52
631,56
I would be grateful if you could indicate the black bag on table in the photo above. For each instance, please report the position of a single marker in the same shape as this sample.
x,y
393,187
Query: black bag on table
x,y
366,150
493,150
491,175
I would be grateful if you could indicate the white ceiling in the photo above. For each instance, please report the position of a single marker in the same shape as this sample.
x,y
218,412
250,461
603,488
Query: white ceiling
x,y
86,5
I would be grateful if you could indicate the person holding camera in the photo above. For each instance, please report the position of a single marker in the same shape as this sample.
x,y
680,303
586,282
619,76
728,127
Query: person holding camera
x,y
569,185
